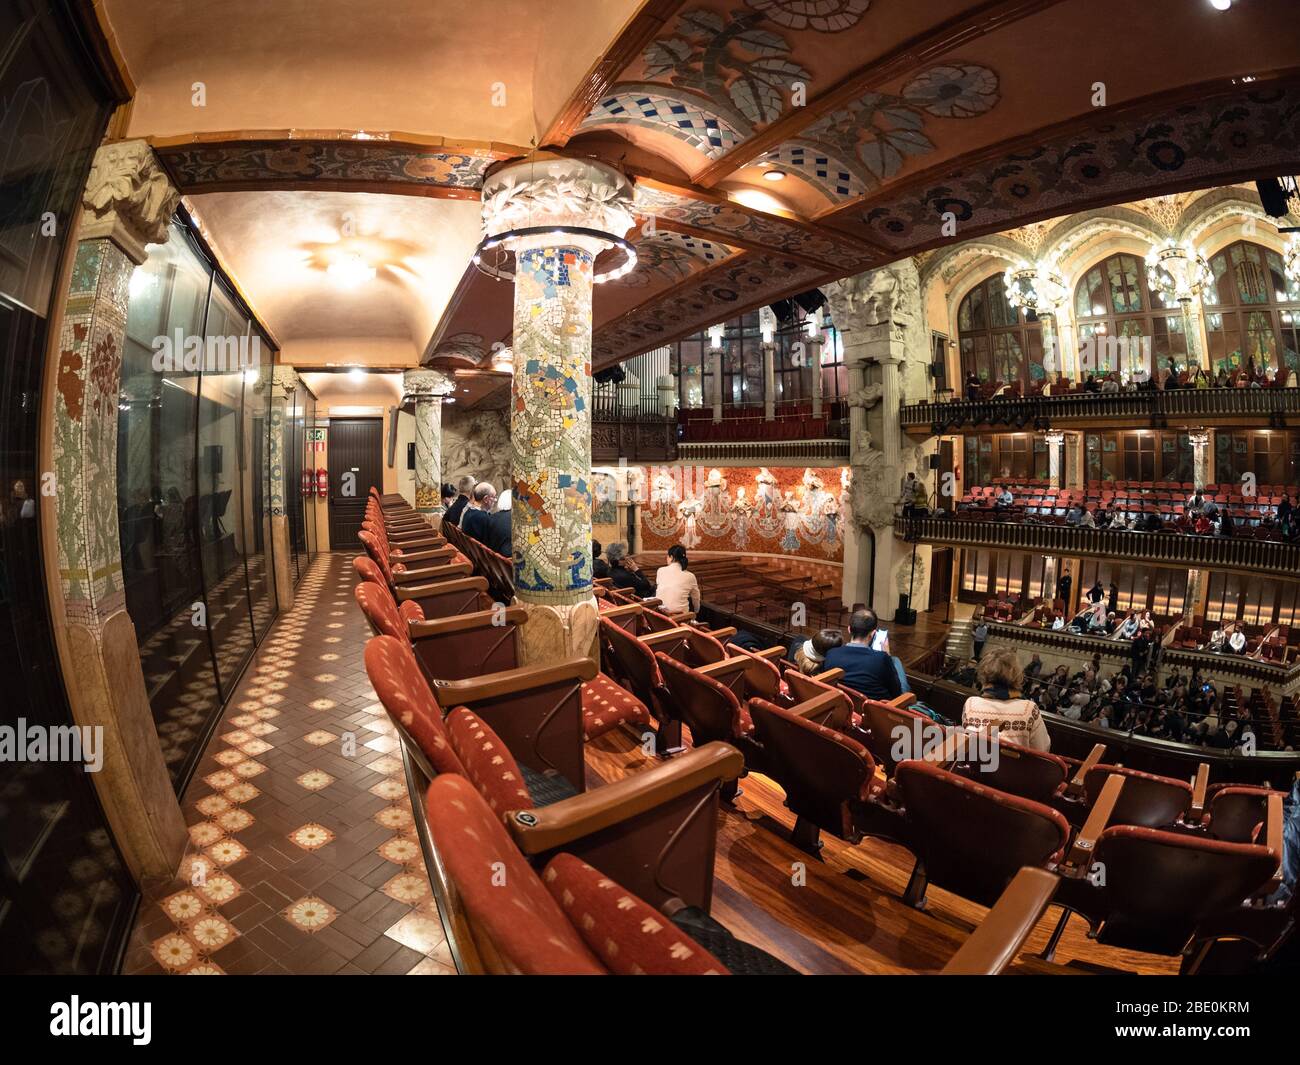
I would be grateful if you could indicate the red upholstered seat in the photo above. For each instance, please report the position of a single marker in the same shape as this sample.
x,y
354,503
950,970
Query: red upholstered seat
x,y
377,604
489,765
572,920
395,676
605,706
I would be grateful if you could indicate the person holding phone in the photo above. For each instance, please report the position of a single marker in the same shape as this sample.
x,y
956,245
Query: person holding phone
x,y
868,666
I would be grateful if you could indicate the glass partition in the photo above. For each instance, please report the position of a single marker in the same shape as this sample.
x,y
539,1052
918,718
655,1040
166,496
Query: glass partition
x,y
257,482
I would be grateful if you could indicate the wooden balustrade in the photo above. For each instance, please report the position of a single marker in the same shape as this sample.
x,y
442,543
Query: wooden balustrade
x,y
1157,548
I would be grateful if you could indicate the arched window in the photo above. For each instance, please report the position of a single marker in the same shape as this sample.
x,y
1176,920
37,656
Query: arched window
x,y
1122,324
1252,311
996,341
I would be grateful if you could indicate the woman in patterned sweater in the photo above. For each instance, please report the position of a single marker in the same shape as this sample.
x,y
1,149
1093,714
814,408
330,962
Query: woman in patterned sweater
x,y
999,704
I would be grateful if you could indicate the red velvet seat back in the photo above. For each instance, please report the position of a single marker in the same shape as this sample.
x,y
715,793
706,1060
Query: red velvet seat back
x,y
1236,811
635,662
821,770
885,723
1148,800
1022,771
367,570
503,895
973,839
488,763
402,689
710,709
377,604
1159,886
377,554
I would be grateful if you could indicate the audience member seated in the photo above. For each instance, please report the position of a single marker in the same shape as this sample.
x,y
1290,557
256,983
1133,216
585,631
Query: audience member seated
x,y
810,655
464,489
868,668
474,520
448,496
499,528
623,571
1000,704
599,567
675,585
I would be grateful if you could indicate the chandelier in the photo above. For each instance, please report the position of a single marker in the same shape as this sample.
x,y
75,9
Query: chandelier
x,y
1034,287
1291,262
1177,273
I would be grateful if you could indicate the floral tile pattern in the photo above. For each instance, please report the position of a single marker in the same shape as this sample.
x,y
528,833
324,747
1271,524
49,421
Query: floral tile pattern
x,y
314,867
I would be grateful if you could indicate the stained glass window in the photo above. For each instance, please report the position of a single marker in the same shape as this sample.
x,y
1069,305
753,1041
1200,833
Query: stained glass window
x,y
995,340
1256,310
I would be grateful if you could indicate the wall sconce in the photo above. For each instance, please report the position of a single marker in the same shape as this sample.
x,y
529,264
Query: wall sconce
x,y
716,333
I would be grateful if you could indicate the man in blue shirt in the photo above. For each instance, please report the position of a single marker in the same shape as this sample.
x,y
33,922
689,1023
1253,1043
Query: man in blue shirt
x,y
876,674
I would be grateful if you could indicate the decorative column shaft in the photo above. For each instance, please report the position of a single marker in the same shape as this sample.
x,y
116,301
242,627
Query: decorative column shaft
x,y
814,347
284,383
1055,443
1200,441
769,381
716,356
550,411
427,388
127,204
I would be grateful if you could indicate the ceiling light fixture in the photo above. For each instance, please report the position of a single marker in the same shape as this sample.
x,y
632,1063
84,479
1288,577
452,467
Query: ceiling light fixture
x,y
356,374
774,175
490,257
350,271
1221,5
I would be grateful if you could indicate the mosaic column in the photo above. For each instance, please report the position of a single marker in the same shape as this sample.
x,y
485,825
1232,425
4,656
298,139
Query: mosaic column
x,y
1200,441
427,388
126,205
1055,442
284,383
813,343
535,207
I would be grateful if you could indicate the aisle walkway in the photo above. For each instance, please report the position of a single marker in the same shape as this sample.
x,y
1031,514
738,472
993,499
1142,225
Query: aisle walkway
x,y
300,814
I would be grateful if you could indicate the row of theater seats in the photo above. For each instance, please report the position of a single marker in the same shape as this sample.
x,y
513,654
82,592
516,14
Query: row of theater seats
x,y
503,746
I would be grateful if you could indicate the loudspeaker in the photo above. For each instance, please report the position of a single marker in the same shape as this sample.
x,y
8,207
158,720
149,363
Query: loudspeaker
x,y
410,456
811,300
392,435
904,615
1272,194
939,371
613,373
934,462
783,309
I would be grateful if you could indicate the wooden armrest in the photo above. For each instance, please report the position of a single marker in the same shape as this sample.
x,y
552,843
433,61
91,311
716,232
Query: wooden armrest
x,y
1273,830
436,554
818,704
665,636
769,652
1085,843
423,591
452,693
421,542
997,940
433,573
723,666
1199,784
630,610
1075,788
478,619
546,828
723,634
902,702
830,676
650,602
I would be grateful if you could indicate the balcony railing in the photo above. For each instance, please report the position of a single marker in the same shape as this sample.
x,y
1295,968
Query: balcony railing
x,y
1158,548
632,434
1156,409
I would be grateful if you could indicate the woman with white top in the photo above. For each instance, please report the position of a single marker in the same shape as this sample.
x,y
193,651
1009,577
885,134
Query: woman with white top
x,y
999,704
675,585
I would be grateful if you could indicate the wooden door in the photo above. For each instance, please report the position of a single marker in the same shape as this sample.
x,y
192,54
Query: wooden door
x,y
356,463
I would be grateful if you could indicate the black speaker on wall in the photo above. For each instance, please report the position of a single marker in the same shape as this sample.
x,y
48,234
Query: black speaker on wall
x,y
934,462
783,309
811,300
1273,193
904,615
410,456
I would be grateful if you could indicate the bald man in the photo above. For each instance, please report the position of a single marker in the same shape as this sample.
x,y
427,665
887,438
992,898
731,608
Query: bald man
x,y
474,520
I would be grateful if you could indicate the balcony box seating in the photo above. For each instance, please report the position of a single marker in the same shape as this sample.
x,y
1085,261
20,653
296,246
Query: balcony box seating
x,y
1147,800
440,597
1035,775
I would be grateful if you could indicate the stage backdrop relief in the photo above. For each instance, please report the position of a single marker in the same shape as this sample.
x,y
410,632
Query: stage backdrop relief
x,y
753,509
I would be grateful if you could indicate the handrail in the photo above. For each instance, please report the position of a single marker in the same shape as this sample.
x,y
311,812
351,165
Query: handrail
x,y
1043,411
1158,548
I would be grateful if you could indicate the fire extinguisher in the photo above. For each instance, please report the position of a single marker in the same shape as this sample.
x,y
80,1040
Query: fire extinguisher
x,y
322,482
308,477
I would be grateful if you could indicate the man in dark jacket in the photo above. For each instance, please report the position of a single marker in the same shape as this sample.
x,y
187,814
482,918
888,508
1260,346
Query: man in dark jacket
x,y
464,487
499,528
866,670
474,519
599,567
623,571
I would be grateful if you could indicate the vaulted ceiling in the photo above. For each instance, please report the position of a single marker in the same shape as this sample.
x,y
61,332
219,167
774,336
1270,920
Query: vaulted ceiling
x,y
775,145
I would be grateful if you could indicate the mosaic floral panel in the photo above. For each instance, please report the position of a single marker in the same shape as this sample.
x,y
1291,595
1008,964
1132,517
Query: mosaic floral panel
x,y
271,162
766,231
85,431
766,511
836,180
1195,142
671,257
550,425
698,303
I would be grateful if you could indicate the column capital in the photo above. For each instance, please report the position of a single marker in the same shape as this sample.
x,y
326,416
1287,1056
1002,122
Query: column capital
x,y
891,294
128,198
551,190
284,382
1198,437
426,384
1054,437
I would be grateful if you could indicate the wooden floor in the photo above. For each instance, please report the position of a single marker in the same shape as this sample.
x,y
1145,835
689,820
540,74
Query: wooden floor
x,y
847,916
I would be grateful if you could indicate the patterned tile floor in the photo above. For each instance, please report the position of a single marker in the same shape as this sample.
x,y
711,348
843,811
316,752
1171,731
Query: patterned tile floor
x,y
302,855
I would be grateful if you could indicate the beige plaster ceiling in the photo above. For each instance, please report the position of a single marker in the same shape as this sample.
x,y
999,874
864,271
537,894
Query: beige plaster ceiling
x,y
422,66
279,247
